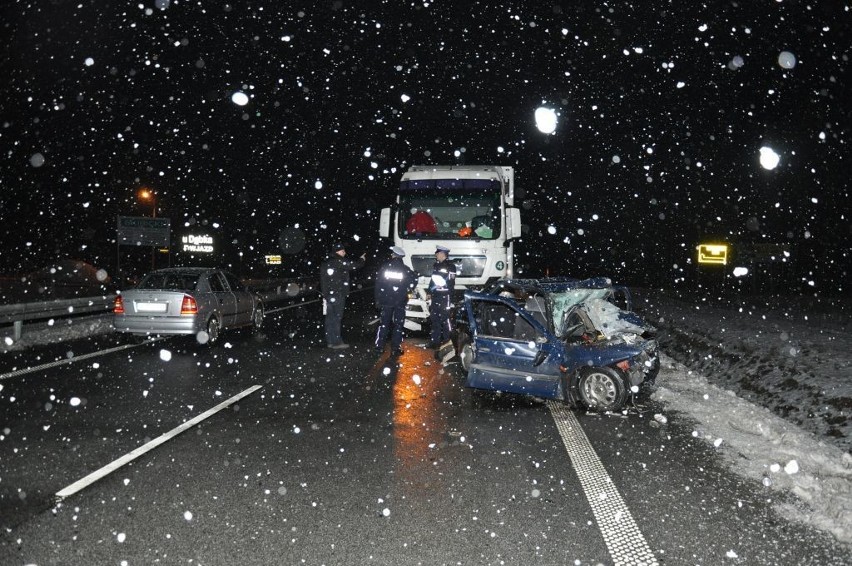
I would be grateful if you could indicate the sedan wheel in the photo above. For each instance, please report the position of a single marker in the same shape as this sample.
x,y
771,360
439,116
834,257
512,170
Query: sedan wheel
x,y
602,388
213,330
257,320
465,352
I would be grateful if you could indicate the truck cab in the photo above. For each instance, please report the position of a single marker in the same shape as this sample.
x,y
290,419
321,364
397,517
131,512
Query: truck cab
x,y
467,208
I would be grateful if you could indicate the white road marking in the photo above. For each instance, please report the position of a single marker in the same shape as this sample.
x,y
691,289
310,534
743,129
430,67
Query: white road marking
x,y
114,465
625,542
25,371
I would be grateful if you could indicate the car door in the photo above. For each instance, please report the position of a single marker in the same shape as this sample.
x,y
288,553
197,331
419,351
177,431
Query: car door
x,y
225,300
513,352
244,299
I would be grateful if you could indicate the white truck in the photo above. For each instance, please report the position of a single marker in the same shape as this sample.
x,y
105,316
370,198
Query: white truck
x,y
467,208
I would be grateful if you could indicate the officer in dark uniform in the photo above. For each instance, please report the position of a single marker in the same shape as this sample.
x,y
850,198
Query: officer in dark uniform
x,y
393,282
334,285
441,287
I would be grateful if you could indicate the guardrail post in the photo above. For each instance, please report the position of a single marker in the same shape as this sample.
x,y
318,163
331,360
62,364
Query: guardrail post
x,y
19,327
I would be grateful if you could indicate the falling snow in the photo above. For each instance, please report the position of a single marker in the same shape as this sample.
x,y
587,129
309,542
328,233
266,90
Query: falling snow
x,y
636,133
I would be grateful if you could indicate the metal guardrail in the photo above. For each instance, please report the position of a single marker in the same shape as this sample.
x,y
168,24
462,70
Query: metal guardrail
x,y
59,308
270,290
280,288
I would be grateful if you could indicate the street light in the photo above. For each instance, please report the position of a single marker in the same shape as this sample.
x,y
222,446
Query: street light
x,y
149,195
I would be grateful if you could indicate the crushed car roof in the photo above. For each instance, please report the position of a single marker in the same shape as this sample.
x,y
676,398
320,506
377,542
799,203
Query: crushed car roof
x,y
552,284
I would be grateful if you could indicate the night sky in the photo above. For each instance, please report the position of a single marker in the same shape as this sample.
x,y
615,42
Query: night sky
x,y
663,108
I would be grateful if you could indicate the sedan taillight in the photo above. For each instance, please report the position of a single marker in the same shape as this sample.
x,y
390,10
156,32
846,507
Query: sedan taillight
x,y
188,306
118,306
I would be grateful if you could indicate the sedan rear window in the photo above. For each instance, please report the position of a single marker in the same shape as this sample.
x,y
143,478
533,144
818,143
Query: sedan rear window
x,y
170,281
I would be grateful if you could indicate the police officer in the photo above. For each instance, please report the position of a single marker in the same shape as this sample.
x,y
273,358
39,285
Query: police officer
x,y
334,285
393,282
441,287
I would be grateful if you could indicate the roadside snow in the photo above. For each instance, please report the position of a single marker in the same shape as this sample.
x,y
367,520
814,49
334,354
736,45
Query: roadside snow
x,y
793,358
767,380
762,446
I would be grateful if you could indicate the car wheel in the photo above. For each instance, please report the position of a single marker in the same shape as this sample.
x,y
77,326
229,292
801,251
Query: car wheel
x,y
465,352
257,319
213,330
602,388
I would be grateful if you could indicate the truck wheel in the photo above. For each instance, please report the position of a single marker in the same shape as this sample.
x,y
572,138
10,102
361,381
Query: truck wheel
x,y
602,389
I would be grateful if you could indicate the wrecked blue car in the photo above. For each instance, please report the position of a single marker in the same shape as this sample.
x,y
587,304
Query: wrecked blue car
x,y
557,338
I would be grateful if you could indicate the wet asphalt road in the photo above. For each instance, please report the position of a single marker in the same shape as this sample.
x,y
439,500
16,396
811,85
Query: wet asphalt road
x,y
343,457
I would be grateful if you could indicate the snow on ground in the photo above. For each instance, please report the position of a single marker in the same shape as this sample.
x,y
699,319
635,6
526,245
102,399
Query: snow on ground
x,y
769,385
762,446
792,358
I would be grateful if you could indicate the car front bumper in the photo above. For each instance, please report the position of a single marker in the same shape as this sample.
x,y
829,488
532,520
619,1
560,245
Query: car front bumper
x,y
638,369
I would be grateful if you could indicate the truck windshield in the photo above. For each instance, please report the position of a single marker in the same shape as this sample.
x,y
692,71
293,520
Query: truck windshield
x,y
450,213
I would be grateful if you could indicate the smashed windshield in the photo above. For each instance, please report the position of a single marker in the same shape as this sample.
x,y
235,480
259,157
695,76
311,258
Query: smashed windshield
x,y
562,303
449,214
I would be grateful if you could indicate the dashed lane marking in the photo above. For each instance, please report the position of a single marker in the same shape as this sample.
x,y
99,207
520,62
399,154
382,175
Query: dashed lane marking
x,y
48,365
130,456
625,542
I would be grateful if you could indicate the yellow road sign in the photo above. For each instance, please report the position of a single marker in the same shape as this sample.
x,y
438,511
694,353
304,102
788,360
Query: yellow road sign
x,y
713,253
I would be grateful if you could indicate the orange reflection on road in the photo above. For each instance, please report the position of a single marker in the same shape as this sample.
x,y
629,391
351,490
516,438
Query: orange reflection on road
x,y
418,418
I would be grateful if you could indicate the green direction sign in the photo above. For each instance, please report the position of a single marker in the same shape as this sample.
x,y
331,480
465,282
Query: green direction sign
x,y
144,231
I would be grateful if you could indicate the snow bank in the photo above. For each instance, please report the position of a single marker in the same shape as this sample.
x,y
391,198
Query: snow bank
x,y
762,446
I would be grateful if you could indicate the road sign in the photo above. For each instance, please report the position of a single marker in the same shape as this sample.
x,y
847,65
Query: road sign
x,y
713,254
143,231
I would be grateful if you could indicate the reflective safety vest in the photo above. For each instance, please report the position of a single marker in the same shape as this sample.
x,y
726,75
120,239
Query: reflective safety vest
x,y
393,282
443,278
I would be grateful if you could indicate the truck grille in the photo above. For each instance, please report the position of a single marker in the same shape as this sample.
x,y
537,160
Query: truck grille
x,y
466,266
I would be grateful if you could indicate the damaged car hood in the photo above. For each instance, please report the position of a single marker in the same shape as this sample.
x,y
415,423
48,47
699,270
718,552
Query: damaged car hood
x,y
610,320
606,317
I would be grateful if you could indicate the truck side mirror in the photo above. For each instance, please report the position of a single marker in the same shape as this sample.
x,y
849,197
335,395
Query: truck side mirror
x,y
384,223
513,223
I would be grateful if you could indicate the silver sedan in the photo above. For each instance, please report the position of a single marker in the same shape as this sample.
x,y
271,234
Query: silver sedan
x,y
199,301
